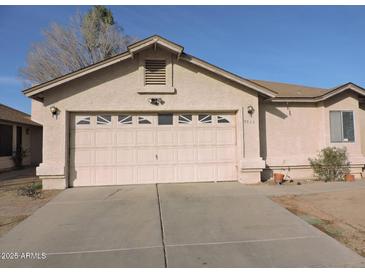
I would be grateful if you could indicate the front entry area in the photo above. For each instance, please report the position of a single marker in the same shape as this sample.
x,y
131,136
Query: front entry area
x,y
143,148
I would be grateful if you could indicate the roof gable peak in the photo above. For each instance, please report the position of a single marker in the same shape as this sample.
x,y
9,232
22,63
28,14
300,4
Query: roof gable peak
x,y
154,41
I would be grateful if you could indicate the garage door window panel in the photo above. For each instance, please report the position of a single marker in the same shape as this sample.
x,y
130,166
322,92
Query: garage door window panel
x,y
144,120
125,120
104,120
221,119
165,119
82,120
205,118
185,119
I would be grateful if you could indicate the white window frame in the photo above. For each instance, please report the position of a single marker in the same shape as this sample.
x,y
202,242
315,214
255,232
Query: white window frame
x,y
343,140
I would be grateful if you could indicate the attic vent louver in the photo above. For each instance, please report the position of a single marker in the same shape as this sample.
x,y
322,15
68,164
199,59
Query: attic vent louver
x,y
155,72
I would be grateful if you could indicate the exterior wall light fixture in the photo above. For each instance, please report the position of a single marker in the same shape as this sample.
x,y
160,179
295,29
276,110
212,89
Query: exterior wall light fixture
x,y
156,101
54,110
250,110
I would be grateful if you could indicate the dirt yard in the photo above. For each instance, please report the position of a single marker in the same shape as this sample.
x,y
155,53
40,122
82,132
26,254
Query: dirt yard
x,y
339,214
15,208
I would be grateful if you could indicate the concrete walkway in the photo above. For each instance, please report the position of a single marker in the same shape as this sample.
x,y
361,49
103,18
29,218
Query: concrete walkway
x,y
311,188
173,225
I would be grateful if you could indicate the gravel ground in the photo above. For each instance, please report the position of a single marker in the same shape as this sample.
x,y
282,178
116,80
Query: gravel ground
x,y
15,208
339,214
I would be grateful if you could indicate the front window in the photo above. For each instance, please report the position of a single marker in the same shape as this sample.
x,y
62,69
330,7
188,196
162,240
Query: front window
x,y
342,126
6,140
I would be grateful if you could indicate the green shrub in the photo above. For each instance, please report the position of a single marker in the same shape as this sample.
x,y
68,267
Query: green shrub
x,y
36,186
33,190
331,164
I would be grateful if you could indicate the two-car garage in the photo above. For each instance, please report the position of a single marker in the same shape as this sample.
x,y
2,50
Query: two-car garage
x,y
142,148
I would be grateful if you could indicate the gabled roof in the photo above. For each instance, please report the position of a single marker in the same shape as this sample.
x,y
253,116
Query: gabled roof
x,y
8,114
278,92
297,93
290,90
154,40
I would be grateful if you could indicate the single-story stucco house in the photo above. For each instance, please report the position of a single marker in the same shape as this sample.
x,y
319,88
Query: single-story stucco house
x,y
19,133
155,114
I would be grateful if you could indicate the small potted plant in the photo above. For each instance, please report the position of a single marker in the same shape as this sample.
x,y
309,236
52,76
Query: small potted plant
x,y
278,177
349,177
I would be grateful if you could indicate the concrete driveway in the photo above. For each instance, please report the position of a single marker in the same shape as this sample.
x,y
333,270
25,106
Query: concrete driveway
x,y
173,225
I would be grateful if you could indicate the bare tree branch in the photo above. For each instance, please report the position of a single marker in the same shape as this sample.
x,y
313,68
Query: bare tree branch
x,y
84,41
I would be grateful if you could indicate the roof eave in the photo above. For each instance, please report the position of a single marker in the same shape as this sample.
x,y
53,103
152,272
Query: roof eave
x,y
25,123
76,74
134,48
228,75
323,97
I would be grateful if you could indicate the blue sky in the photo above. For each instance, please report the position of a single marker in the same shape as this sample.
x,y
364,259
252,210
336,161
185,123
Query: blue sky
x,y
320,46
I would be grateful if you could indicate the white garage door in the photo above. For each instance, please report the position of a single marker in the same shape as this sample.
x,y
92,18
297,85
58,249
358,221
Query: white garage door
x,y
115,149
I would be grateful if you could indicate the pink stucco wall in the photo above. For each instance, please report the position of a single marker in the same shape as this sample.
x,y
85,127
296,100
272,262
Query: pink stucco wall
x,y
290,133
